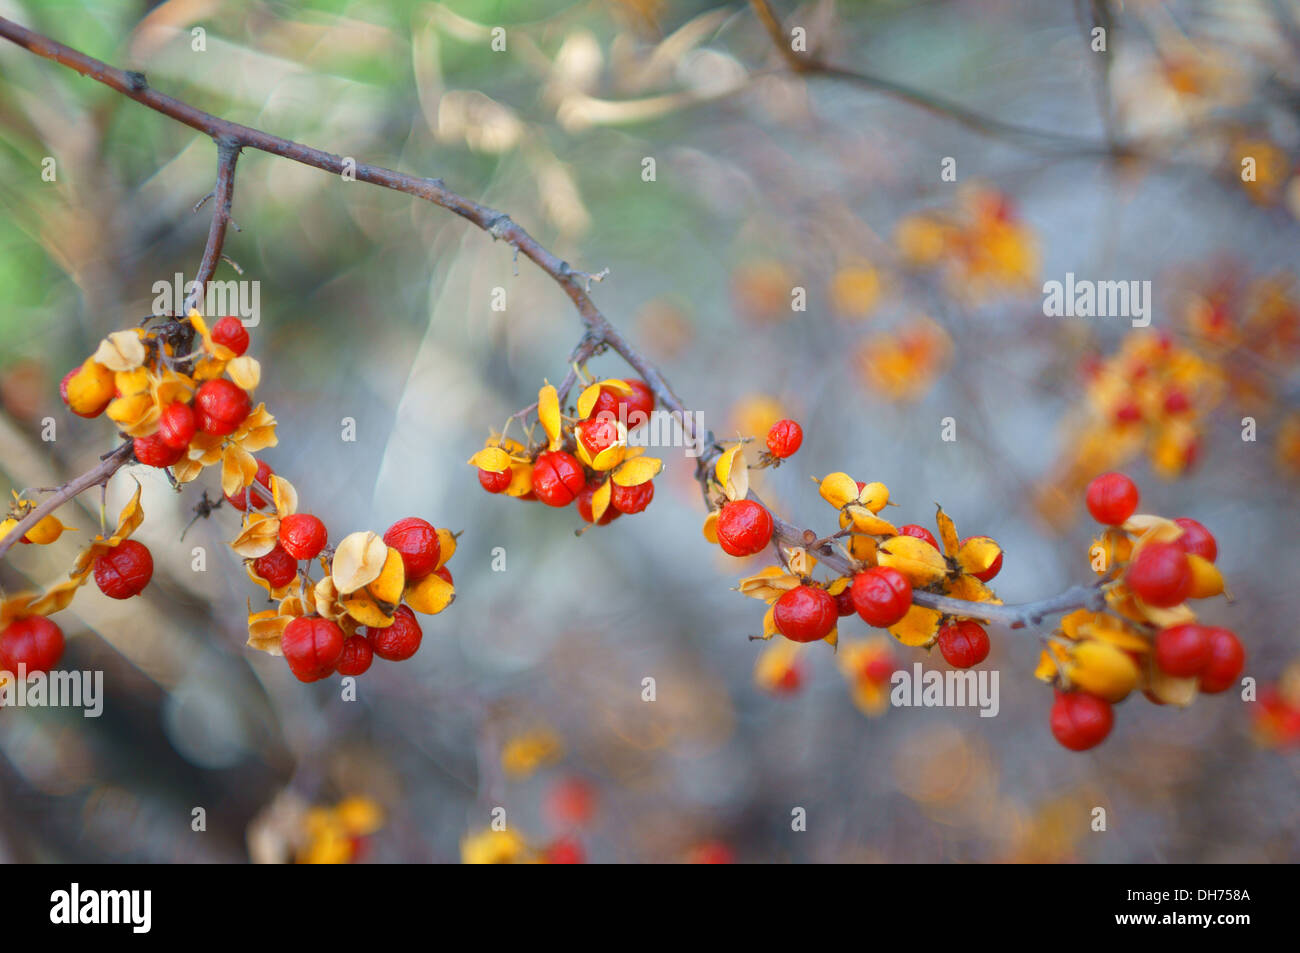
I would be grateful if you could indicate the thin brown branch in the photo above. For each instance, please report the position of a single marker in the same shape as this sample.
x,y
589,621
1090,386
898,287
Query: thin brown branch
x,y
231,137
98,476
222,196
812,64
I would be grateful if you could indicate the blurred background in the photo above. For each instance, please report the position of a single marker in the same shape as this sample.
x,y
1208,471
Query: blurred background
x,y
924,302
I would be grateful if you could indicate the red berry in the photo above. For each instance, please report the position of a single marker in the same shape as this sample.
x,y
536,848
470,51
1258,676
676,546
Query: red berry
x,y
631,409
844,602
444,573
1183,651
221,406
805,614
494,482
263,479
232,333
1160,575
417,541
34,642
632,499
785,437
789,682
1227,659
744,528
597,433
152,451
879,669
571,802
312,647
713,852
882,595
303,536
124,570
177,424
1176,401
357,656
557,478
584,504
1081,721
919,532
1128,412
963,643
1112,498
277,567
1196,540
566,850
995,567
400,640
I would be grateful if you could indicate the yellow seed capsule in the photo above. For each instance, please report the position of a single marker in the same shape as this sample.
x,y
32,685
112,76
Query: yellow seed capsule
x,y
839,489
6,526
1103,670
1206,579
90,389
45,531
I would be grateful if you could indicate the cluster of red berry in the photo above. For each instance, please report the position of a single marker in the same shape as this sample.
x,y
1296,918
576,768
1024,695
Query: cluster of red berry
x,y
1147,637
585,458
889,562
316,647
181,393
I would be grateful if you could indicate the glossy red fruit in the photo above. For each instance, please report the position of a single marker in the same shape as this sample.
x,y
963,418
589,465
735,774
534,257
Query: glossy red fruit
x,y
566,850
417,541
1196,540
784,439
494,482
1160,575
303,536
632,499
882,595
153,452
805,614
1183,651
1081,721
312,647
400,640
994,568
277,567
557,478
744,528
583,502
1112,498
220,406
631,409
34,642
963,643
844,602
258,494
232,333
597,433
918,532
177,424
124,570
356,656
444,573
1227,659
